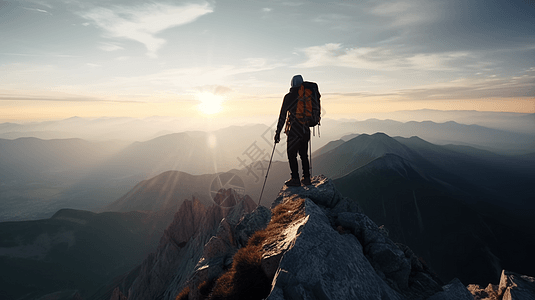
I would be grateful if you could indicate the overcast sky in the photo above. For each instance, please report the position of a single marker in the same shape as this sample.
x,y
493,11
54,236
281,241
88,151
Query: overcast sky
x,y
94,58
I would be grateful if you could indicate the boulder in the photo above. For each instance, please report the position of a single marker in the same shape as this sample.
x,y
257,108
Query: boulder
x,y
514,286
322,192
480,293
251,223
454,290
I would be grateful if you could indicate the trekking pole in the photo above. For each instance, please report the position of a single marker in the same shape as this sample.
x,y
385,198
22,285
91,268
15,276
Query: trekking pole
x,y
267,172
310,156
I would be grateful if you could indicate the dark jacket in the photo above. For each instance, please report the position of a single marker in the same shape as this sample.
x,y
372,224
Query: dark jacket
x,y
289,105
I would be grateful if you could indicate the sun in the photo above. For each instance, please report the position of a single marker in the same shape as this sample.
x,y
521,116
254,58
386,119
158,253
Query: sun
x,y
210,103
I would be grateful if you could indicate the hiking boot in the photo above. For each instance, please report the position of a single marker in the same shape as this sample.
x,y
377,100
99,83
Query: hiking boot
x,y
293,182
306,181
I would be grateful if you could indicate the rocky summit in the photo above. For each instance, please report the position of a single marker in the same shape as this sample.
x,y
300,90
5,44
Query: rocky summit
x,y
313,244
331,250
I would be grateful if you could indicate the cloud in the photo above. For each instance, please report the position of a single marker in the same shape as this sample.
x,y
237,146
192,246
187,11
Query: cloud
x,y
39,55
142,23
47,95
462,88
183,79
381,58
36,10
266,9
403,13
110,47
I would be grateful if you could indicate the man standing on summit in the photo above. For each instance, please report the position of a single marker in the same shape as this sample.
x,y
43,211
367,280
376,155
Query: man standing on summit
x,y
299,115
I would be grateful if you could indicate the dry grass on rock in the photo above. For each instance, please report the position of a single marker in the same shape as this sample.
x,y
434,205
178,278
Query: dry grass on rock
x,y
245,279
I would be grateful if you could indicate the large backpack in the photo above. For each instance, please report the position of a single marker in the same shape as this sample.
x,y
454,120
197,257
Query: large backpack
x,y
308,108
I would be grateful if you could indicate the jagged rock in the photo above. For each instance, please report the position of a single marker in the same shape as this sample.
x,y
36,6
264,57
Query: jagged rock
x,y
117,295
315,258
422,281
480,293
454,290
387,258
346,205
251,223
514,286
322,192
319,263
217,254
164,273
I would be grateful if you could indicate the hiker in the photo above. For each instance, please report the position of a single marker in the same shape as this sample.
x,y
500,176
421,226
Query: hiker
x,y
298,134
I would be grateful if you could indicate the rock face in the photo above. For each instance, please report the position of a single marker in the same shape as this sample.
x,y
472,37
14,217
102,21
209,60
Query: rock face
x,y
165,272
333,251
512,286
231,234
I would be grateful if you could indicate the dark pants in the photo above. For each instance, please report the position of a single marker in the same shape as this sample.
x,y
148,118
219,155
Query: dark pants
x,y
298,144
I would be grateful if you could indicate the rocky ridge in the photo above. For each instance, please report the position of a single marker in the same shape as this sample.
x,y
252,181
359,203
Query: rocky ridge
x,y
337,252
314,244
164,272
512,286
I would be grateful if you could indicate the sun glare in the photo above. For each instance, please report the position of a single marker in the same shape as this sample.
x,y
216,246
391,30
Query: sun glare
x,y
210,103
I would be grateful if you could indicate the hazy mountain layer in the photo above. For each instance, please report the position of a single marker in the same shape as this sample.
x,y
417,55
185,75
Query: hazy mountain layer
x,y
501,140
74,250
39,177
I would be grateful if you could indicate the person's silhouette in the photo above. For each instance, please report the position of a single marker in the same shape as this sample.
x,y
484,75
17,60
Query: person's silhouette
x,y
298,135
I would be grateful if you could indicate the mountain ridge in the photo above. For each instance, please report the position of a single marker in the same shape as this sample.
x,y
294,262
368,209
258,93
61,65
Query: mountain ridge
x,y
316,244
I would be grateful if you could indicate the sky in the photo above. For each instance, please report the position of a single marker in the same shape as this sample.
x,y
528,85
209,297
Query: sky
x,y
234,59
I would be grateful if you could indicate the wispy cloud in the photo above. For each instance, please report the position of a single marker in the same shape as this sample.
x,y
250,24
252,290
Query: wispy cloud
x,y
183,79
476,88
47,95
110,47
380,58
402,13
461,88
36,10
38,55
142,23
92,65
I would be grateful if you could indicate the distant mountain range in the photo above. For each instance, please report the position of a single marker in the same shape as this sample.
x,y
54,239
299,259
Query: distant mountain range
x,y
74,250
52,174
143,129
496,140
467,170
